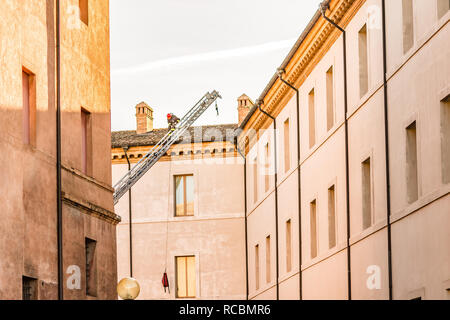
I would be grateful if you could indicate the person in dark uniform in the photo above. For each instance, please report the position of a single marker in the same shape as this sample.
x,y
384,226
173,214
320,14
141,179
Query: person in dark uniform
x,y
172,120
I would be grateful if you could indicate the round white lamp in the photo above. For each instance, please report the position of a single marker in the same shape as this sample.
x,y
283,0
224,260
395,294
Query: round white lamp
x,y
128,289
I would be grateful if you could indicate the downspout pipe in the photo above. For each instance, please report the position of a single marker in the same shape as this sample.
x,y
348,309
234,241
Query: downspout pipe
x,y
386,136
125,149
259,103
245,215
324,6
281,72
58,157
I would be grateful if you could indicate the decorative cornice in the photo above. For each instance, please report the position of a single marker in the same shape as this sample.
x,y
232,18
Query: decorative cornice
x,y
91,209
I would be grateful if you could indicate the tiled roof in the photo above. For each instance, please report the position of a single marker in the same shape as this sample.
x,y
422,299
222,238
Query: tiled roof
x,y
223,132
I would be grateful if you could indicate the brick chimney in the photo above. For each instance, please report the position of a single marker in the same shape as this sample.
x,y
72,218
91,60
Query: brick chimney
x,y
244,106
144,118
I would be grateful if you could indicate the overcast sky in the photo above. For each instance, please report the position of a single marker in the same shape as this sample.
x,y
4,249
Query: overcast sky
x,y
169,53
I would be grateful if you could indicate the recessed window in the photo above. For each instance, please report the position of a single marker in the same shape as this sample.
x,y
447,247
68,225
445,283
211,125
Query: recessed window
x,y
84,11
330,98
256,267
267,165
363,61
91,267
29,288
186,281
312,119
86,142
29,108
445,140
412,186
408,25
287,151
331,217
268,271
288,246
255,180
313,228
184,195
366,194
443,6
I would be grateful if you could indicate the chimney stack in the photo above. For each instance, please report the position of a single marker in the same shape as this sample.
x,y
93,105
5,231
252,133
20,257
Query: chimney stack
x,y
144,118
244,106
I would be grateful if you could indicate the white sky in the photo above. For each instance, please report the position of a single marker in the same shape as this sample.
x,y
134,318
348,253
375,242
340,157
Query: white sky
x,y
169,53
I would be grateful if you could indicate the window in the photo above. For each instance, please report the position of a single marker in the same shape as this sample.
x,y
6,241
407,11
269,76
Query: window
x,y
366,194
330,99
268,276
84,11
29,288
313,226
288,246
331,217
86,142
184,195
255,180
91,267
442,7
445,140
287,151
29,108
257,267
411,163
312,119
267,165
408,25
363,61
186,283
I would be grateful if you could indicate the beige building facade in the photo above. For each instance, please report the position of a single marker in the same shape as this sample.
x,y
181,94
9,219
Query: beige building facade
x,y
362,211
28,137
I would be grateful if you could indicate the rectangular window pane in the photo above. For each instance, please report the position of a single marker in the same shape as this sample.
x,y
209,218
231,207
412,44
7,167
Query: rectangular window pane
x,y
287,151
313,226
312,119
408,24
191,282
267,164
331,217
268,275
366,194
288,246
330,99
184,195
257,267
179,196
189,195
181,277
445,140
363,61
26,108
411,163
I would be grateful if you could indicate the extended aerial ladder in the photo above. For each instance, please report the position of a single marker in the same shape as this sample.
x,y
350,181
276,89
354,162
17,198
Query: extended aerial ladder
x,y
163,145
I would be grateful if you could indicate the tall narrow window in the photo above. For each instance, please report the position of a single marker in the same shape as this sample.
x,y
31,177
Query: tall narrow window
x,y
84,11
443,6
412,185
184,195
366,194
29,108
86,142
29,288
312,119
287,143
363,61
186,283
288,246
268,274
267,165
445,140
91,270
408,24
257,267
331,217
255,180
330,99
313,227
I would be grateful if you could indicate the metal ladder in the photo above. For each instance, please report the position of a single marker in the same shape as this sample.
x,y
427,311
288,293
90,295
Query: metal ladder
x,y
161,148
